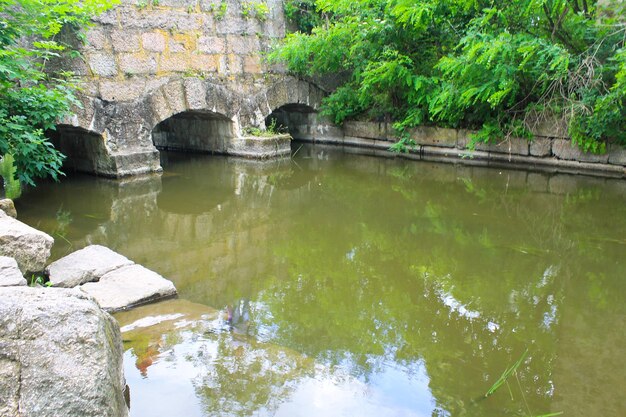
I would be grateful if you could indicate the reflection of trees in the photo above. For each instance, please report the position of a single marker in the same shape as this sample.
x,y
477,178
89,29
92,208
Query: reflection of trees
x,y
236,375
360,261
402,280
244,377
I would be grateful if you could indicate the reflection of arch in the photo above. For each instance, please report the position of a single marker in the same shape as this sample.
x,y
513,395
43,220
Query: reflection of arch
x,y
85,150
194,130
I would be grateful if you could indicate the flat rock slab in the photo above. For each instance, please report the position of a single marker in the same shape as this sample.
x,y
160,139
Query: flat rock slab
x,y
10,274
30,247
128,287
60,355
85,265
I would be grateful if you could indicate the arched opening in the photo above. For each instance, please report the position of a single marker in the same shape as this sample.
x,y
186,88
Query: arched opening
x,y
85,150
299,120
194,131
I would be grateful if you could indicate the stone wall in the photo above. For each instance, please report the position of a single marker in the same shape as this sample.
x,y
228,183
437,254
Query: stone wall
x,y
144,62
552,153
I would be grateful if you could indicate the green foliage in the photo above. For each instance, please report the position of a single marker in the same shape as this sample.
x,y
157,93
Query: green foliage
x,y
32,98
219,10
499,67
39,281
272,130
12,188
303,13
255,9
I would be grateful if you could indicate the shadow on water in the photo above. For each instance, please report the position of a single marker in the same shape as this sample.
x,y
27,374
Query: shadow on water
x,y
362,286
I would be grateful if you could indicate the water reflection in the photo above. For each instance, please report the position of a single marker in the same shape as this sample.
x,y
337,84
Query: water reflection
x,y
397,288
192,359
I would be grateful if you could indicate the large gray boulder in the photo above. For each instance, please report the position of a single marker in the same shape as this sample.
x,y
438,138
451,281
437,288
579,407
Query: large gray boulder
x,y
85,265
128,287
10,274
60,355
30,247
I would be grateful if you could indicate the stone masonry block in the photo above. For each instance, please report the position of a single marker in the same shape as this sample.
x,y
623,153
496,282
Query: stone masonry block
x,y
102,64
195,92
252,64
96,39
181,4
137,64
203,62
122,90
175,96
235,64
434,136
512,146
222,64
370,130
237,26
541,147
211,45
617,155
182,42
125,41
564,149
153,41
242,45
158,104
173,63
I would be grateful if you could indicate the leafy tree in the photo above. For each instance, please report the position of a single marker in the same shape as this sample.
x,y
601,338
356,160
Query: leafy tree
x,y
497,66
33,98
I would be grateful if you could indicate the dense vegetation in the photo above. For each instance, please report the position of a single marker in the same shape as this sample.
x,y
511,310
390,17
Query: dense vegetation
x,y
33,99
501,67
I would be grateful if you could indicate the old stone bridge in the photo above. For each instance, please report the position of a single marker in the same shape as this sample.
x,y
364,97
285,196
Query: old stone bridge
x,y
190,75
180,74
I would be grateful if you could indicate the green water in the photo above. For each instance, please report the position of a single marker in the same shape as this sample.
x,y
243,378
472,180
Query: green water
x,y
361,286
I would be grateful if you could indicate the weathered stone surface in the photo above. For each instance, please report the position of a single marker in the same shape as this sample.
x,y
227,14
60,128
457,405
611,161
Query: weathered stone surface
x,y
252,64
173,63
153,41
29,247
211,45
368,130
134,64
565,149
103,64
261,147
129,286
96,38
242,45
434,136
6,205
203,63
60,355
85,265
550,127
122,90
617,155
125,41
513,146
10,274
540,147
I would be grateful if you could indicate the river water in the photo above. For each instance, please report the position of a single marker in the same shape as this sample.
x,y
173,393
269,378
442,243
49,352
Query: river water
x,y
343,285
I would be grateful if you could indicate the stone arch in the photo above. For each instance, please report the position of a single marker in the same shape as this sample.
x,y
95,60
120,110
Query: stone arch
x,y
299,120
194,131
192,115
85,150
285,90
